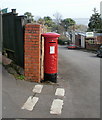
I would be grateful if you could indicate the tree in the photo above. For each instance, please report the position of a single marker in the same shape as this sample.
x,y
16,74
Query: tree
x,y
61,30
58,18
46,18
82,28
95,23
48,21
41,21
67,23
29,16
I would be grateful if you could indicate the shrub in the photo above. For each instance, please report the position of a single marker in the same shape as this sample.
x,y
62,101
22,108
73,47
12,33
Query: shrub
x,y
62,40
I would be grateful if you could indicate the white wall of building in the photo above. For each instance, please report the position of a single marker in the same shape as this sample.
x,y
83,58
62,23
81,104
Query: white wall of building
x,y
82,41
73,37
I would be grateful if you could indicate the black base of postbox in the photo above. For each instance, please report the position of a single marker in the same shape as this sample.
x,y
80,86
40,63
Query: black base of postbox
x,y
50,77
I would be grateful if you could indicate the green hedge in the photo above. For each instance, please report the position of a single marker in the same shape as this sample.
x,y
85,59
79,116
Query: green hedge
x,y
63,42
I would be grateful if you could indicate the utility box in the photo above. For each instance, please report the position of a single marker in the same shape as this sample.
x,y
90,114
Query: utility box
x,y
50,56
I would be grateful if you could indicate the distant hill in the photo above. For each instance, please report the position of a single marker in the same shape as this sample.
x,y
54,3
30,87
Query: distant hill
x,y
83,21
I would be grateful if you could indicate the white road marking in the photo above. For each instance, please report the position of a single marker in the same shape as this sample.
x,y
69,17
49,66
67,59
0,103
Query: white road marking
x,y
60,92
30,103
56,107
37,88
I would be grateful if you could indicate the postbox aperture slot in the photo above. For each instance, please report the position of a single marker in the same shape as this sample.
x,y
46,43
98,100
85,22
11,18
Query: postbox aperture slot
x,y
52,42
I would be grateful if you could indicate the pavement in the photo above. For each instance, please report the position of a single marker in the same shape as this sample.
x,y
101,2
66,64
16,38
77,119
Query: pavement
x,y
76,95
16,92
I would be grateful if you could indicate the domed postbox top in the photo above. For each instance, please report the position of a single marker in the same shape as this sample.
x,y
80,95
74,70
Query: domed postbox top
x,y
50,35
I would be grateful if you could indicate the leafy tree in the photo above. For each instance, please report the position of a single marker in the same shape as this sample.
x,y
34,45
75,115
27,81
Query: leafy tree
x,y
48,21
67,23
29,16
46,18
41,21
95,23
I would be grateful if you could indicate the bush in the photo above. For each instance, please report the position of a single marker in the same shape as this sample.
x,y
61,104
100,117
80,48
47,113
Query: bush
x,y
60,42
63,40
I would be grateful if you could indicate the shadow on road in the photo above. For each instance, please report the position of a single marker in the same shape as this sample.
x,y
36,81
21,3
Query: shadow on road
x,y
94,56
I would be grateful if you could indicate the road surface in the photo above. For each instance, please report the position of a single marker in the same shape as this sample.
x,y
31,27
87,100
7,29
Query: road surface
x,y
78,76
81,73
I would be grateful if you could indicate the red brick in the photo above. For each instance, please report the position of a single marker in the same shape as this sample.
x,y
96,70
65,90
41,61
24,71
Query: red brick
x,y
32,52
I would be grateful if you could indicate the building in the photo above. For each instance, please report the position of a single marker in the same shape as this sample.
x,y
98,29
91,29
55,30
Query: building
x,y
88,40
101,8
80,39
94,42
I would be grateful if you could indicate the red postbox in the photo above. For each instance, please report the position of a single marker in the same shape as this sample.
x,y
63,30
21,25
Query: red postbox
x,y
50,56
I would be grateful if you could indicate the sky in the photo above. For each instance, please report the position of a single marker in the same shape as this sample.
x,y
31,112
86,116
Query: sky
x,y
41,8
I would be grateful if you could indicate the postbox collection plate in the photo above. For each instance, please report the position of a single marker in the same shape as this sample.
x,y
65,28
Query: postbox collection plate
x,y
52,49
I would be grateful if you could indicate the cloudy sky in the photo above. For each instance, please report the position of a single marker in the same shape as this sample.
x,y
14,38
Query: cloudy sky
x,y
67,8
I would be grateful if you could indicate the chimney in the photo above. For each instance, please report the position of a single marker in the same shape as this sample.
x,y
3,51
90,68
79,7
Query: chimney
x,y
13,11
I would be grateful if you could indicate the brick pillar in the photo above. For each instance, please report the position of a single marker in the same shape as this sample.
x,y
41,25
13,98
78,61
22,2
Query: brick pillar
x,y
32,52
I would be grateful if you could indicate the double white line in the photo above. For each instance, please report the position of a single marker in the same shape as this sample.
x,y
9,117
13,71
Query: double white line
x,y
31,101
57,104
56,107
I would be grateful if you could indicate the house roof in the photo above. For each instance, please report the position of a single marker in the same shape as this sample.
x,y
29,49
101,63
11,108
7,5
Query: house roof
x,y
84,34
98,34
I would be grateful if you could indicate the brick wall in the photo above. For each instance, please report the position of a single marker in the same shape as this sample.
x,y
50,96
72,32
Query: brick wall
x,y
99,39
32,51
92,46
77,40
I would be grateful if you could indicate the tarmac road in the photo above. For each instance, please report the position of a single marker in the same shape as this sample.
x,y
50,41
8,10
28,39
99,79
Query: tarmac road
x,y
81,72
79,75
